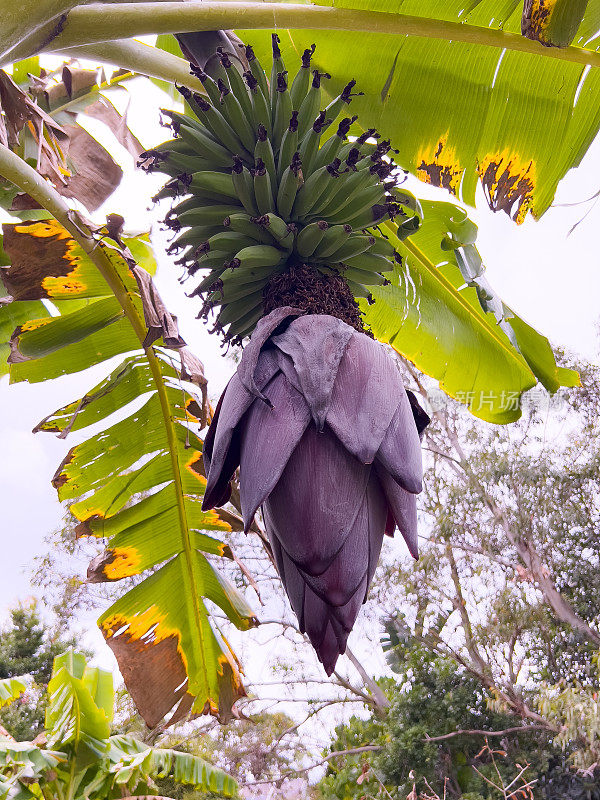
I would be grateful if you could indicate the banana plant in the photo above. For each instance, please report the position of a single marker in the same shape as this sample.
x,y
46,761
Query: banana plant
x,y
436,64
77,757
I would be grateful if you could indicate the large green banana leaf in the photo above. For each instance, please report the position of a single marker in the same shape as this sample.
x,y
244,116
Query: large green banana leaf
x,y
139,482
458,112
439,312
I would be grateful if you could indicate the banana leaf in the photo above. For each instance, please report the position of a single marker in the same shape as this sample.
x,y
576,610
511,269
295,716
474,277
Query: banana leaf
x,y
139,482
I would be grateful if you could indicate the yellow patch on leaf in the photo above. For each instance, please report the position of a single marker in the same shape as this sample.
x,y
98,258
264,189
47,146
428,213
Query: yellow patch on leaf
x,y
509,182
124,562
438,165
34,324
63,285
195,466
149,625
43,229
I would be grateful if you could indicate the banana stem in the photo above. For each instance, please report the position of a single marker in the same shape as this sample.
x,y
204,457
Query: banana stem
x,y
139,57
102,22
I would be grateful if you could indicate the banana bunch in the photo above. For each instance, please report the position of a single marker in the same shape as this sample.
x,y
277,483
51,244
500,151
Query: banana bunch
x,y
264,178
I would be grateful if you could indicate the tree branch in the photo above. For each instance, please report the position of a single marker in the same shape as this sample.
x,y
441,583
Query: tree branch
x,y
292,773
141,58
506,731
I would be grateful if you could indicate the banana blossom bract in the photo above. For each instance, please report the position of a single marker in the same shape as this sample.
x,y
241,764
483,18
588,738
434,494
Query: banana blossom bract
x,y
327,441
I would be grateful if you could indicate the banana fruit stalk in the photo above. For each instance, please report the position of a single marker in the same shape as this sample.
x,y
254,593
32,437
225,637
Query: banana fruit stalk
x,y
258,188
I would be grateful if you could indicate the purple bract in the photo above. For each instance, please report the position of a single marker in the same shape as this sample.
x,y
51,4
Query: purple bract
x,y
319,422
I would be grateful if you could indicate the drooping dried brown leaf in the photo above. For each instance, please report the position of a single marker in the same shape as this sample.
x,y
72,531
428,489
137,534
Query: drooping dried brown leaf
x,y
95,174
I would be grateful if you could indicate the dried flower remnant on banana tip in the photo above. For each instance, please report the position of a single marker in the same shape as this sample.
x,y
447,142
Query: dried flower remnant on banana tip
x,y
281,221
332,466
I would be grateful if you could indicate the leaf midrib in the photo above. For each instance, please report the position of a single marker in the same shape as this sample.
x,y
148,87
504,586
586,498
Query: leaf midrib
x,y
437,276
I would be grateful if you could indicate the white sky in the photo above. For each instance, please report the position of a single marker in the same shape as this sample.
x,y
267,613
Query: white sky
x,y
550,279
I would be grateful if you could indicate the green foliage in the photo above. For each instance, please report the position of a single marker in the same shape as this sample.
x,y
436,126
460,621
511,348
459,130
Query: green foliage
x,y
432,698
456,110
80,758
28,647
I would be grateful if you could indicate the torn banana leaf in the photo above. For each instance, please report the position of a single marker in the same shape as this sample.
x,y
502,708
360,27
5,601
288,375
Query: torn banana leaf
x,y
139,482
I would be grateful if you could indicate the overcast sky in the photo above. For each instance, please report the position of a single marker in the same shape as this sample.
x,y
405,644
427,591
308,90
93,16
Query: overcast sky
x,y
547,277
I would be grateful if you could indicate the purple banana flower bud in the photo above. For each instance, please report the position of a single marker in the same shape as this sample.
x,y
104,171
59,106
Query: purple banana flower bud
x,y
327,441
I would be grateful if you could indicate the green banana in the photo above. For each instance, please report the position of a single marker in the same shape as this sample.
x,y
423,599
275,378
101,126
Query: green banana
x,y
363,276
280,231
205,147
331,148
371,261
312,189
176,163
353,246
370,217
213,276
235,311
235,116
289,145
244,186
310,237
236,82
210,85
193,237
334,108
243,326
332,240
207,215
244,291
218,125
229,240
261,111
361,200
282,110
288,187
218,183
256,71
263,191
310,105
276,68
244,223
344,190
359,290
301,82
256,256
172,146
264,152
310,145
382,247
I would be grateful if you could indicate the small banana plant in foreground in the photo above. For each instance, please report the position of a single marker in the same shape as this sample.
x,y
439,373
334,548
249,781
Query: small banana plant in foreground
x,y
278,207
76,757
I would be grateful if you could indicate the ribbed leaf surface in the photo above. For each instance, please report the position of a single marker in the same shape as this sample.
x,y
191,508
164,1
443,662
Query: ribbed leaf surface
x,y
457,112
431,315
140,481
80,706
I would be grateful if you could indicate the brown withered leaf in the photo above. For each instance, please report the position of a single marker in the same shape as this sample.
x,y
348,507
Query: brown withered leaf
x,y
159,321
19,109
95,173
43,253
24,202
153,673
104,111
